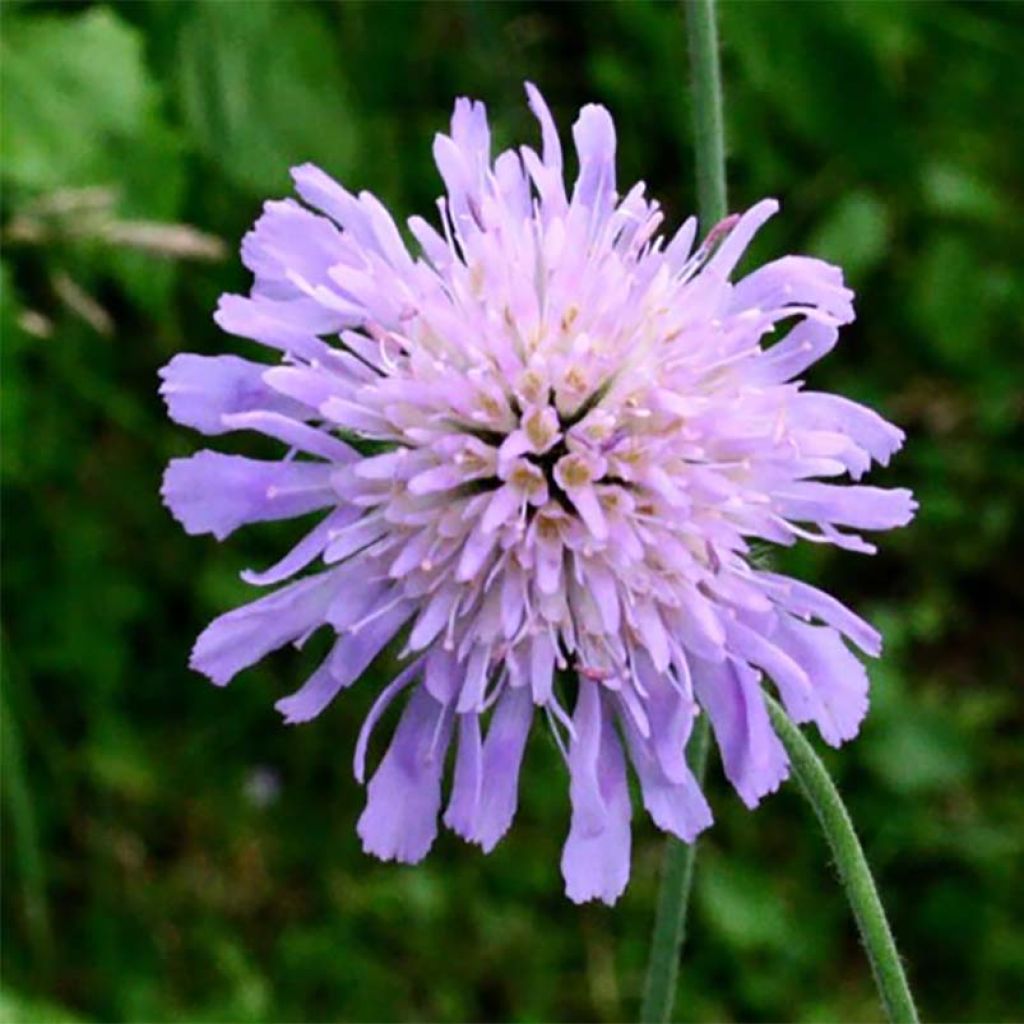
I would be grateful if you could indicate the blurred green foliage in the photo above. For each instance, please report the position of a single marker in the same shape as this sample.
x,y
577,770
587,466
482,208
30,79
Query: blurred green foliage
x,y
170,851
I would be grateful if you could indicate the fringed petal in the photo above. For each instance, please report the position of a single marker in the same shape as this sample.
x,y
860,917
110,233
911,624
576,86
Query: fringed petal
x,y
595,859
838,680
753,756
675,805
348,660
404,795
243,636
502,756
464,802
201,390
210,492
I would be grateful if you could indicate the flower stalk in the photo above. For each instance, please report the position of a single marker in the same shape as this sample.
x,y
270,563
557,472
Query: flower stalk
x,y
677,877
852,865
673,903
706,97
709,146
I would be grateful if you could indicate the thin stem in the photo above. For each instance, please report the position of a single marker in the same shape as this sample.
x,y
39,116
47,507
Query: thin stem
x,y
854,872
677,879
708,128
673,903
27,853
709,146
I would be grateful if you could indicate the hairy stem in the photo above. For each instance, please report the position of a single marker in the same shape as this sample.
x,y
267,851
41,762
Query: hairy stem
x,y
854,873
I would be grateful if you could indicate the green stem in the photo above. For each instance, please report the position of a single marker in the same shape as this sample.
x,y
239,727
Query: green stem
x,y
709,146
27,855
854,872
673,902
677,879
708,127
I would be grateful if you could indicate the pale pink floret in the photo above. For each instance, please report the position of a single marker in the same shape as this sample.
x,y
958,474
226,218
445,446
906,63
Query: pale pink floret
x,y
543,449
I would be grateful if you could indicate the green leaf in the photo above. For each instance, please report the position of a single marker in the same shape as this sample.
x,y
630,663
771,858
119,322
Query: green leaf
x,y
260,86
855,235
919,752
955,191
741,907
72,86
847,99
958,331
18,1009
80,110
15,409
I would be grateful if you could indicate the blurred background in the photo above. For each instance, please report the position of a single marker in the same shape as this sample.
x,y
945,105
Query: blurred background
x,y
171,852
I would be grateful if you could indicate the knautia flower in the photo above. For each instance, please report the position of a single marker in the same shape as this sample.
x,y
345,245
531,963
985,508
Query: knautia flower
x,y
541,451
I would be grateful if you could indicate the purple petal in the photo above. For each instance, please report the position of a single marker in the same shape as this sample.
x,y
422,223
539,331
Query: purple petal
x,y
321,191
210,492
839,680
353,536
384,700
243,636
679,250
309,386
542,667
803,599
461,814
201,390
477,549
732,249
291,432
502,757
289,239
362,595
463,160
878,438
651,628
311,546
787,674
867,508
803,346
795,280
595,861
433,617
471,695
443,675
589,811
348,660
677,806
431,242
605,592
546,171
503,504
552,151
594,135
404,795
754,759
470,132
671,715
698,624
269,324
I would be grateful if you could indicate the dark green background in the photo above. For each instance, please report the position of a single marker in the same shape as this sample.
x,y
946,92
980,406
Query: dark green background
x,y
144,876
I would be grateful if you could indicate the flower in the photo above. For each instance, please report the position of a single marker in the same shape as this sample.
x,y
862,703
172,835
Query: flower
x,y
541,451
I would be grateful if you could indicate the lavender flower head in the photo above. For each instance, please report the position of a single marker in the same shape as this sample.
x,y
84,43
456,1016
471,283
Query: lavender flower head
x,y
540,452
